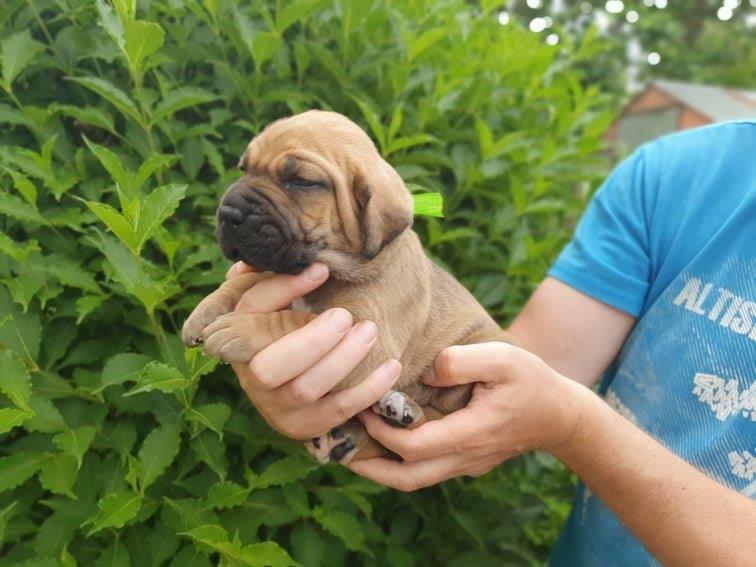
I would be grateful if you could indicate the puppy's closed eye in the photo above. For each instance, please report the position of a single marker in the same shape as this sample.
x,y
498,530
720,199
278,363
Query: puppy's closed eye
x,y
302,183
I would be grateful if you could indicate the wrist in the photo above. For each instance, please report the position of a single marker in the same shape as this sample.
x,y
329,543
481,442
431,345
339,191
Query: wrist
x,y
575,403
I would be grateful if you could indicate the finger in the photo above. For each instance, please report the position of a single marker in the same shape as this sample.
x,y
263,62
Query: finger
x,y
277,292
321,378
449,434
238,269
338,407
465,364
294,353
407,476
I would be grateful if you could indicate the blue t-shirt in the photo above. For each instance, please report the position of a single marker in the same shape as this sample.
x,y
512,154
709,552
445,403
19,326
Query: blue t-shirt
x,y
670,238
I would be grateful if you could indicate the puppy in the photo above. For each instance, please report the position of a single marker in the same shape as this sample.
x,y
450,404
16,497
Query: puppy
x,y
315,188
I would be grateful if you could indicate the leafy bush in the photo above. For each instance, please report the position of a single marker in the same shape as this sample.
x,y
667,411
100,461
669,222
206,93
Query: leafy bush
x,y
119,129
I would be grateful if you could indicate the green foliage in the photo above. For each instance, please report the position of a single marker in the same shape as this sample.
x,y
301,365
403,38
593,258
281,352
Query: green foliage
x,y
120,125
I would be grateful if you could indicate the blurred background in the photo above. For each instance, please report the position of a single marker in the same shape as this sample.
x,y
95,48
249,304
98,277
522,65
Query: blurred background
x,y
121,124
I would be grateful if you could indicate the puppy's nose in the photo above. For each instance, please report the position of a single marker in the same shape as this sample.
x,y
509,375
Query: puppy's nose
x,y
230,215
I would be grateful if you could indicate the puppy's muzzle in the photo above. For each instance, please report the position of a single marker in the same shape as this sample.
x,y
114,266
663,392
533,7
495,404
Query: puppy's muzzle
x,y
250,229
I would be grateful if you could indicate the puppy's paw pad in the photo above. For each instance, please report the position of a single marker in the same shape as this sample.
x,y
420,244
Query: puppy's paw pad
x,y
398,408
338,445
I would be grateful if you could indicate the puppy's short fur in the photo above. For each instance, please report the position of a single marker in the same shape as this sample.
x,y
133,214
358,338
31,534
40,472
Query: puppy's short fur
x,y
314,188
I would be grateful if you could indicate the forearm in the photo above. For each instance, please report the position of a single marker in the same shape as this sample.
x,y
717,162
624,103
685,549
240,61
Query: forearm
x,y
682,516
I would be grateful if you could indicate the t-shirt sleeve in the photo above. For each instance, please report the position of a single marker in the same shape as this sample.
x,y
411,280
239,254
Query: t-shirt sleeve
x,y
608,257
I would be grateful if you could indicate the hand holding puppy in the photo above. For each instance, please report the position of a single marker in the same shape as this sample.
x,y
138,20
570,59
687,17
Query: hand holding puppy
x,y
518,404
288,382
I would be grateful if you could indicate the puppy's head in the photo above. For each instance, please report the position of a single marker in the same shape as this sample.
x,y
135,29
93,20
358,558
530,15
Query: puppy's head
x,y
314,187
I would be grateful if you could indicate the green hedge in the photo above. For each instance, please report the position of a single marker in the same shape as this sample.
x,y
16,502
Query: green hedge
x,y
119,129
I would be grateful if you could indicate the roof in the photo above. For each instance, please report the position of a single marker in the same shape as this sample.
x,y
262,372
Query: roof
x,y
717,103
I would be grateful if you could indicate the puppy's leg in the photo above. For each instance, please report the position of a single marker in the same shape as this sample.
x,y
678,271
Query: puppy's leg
x,y
237,337
223,300
345,443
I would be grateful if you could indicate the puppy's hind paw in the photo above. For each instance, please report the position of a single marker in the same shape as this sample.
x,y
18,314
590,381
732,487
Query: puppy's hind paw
x,y
340,444
205,313
229,338
399,409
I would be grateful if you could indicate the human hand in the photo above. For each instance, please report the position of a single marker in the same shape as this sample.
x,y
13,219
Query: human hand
x,y
290,380
518,404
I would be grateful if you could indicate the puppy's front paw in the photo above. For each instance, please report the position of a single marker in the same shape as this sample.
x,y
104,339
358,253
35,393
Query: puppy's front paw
x,y
340,444
229,337
399,409
205,313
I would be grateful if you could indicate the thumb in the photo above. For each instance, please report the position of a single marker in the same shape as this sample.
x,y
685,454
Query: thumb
x,y
238,269
484,362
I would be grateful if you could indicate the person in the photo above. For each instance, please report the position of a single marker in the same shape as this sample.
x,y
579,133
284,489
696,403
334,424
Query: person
x,y
657,293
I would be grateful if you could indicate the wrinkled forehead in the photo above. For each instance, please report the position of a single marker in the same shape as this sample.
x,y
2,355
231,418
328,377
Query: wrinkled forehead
x,y
329,135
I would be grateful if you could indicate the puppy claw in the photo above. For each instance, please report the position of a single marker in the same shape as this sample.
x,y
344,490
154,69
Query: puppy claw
x,y
399,409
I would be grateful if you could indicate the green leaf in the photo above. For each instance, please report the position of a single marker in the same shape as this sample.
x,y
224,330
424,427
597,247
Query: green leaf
x,y
212,452
141,39
20,252
16,52
90,115
296,499
428,204
117,223
212,416
24,186
76,442
158,450
180,98
156,208
151,165
113,95
308,545
19,331
264,47
268,554
58,474
115,555
425,41
112,164
227,494
15,381
343,526
160,377
115,510
86,305
284,471
12,206
17,468
12,417
373,121
121,368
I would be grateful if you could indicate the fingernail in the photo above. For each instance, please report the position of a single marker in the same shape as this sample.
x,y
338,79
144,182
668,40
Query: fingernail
x,y
429,376
366,331
315,272
341,319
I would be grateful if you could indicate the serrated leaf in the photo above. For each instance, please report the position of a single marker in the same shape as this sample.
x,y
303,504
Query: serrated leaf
x,y
160,377
307,544
12,417
24,186
16,208
155,209
87,304
296,499
19,251
18,468
117,223
343,526
226,494
267,554
141,39
212,416
112,94
112,164
47,417
115,555
16,52
19,331
90,115
76,442
115,510
15,381
284,471
121,368
212,452
179,99
58,474
158,450
151,165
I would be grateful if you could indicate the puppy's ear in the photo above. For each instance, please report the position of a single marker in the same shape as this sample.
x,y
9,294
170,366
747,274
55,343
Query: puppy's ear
x,y
384,207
